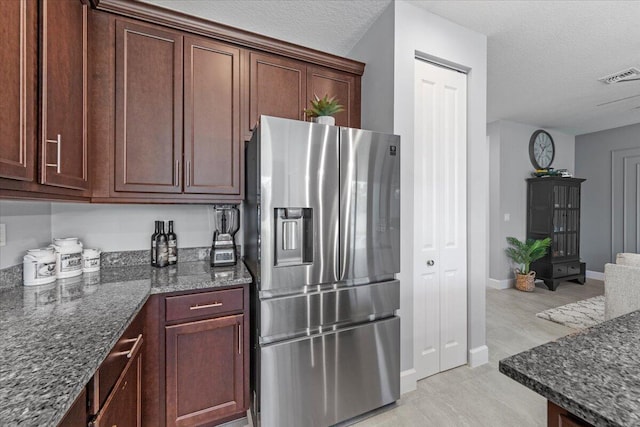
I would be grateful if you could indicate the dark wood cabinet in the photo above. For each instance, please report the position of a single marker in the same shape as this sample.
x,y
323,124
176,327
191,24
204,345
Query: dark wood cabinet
x,y
553,210
18,74
197,361
278,87
205,370
123,407
148,122
63,139
560,417
344,86
283,87
76,416
212,149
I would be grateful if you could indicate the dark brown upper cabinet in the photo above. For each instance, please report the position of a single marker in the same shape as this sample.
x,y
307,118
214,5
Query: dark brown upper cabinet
x,y
148,122
278,87
283,87
63,139
344,86
212,151
18,74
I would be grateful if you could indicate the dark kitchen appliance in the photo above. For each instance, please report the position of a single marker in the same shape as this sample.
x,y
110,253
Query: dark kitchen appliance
x,y
223,250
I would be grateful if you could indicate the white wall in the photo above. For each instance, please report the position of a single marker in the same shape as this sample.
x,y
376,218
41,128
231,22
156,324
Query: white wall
x,y
129,227
430,36
376,50
28,226
108,227
415,30
510,166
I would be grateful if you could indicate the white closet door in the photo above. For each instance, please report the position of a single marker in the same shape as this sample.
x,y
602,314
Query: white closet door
x,y
440,258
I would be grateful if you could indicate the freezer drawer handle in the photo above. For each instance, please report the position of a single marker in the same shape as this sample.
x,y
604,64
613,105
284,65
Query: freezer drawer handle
x,y
199,307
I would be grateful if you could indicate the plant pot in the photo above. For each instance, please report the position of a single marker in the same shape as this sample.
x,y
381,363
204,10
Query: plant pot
x,y
525,282
324,120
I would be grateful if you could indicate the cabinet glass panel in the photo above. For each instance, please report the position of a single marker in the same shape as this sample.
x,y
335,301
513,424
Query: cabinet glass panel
x,y
559,196
558,245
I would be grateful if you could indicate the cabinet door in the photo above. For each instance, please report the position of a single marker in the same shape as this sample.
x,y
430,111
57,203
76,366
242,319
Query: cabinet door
x,y
64,94
322,81
211,117
19,57
205,370
148,146
277,87
123,407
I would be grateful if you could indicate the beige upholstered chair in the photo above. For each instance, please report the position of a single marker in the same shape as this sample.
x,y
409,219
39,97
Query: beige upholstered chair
x,y
622,285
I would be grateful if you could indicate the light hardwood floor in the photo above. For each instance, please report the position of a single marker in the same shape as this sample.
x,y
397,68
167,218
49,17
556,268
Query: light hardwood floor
x,y
483,396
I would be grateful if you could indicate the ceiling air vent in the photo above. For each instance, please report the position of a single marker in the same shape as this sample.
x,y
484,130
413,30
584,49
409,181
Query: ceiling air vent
x,y
627,75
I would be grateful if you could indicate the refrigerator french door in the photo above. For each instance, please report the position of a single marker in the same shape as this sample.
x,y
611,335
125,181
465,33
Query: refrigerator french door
x,y
322,238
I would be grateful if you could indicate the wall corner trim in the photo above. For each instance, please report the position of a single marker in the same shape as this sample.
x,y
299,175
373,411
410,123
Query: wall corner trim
x,y
597,275
408,381
478,356
500,284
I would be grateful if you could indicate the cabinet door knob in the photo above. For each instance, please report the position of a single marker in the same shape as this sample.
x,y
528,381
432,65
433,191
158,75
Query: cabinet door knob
x,y
430,262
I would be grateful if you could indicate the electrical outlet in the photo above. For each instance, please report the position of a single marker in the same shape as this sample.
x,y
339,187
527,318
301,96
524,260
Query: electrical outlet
x,y
507,217
3,234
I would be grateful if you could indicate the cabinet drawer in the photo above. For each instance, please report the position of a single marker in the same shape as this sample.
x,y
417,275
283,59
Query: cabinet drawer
x,y
573,268
108,373
185,307
559,270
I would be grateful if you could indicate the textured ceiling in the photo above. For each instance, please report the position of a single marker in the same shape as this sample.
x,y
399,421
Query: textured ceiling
x,y
544,57
333,26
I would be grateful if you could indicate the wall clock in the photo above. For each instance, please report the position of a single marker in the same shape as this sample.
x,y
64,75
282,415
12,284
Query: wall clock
x,y
541,149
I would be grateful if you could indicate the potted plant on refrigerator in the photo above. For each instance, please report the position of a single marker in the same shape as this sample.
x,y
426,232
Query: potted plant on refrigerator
x,y
323,109
523,254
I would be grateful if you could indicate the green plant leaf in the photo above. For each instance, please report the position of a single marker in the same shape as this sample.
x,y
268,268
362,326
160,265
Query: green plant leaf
x,y
323,106
524,253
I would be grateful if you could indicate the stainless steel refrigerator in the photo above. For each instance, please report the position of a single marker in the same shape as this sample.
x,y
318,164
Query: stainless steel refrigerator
x,y
322,239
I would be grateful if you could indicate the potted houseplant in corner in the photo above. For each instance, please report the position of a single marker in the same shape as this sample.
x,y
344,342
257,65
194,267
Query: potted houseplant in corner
x,y
523,254
323,109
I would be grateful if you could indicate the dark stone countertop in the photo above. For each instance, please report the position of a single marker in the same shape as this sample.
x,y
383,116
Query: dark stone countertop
x,y
54,337
594,374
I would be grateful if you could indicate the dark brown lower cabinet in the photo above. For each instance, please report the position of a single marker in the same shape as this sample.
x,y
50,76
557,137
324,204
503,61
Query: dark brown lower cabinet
x,y
560,417
123,407
205,371
77,415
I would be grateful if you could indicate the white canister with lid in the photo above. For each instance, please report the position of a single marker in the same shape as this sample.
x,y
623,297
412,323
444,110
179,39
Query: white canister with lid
x,y
39,267
91,260
69,257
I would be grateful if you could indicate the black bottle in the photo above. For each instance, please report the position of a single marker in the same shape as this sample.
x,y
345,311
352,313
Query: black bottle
x,y
162,247
172,241
153,244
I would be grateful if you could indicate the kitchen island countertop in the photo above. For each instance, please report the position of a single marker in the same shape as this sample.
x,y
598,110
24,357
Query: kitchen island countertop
x,y
54,337
594,373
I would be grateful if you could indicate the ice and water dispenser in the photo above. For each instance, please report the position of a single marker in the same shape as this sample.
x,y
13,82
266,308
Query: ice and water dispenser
x,y
293,236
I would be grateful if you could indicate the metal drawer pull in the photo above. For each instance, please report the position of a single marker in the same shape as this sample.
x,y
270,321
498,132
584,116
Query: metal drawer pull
x,y
57,141
176,176
135,347
198,307
188,177
239,339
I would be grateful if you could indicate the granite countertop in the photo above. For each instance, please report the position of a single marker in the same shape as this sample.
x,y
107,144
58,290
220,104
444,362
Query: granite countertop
x,y
54,337
594,374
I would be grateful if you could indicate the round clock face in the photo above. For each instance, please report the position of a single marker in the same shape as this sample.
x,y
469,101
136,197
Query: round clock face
x,y
541,149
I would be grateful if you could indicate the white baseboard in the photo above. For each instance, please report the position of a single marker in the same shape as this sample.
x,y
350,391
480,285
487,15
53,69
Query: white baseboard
x,y
408,381
501,284
478,356
594,275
